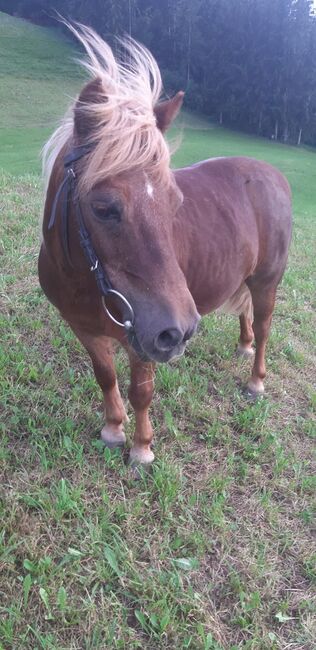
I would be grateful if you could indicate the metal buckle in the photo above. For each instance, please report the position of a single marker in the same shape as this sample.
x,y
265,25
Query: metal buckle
x,y
128,324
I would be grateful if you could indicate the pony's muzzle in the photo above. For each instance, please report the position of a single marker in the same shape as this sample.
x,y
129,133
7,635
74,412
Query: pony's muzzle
x,y
170,341
170,338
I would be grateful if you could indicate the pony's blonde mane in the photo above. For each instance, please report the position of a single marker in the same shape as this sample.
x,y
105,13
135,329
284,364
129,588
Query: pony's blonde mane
x,y
124,135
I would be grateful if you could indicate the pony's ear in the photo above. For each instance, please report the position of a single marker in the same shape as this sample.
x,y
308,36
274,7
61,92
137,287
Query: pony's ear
x,y
84,119
167,111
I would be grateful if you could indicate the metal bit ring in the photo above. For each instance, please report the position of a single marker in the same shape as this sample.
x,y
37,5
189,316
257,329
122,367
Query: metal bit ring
x,y
128,324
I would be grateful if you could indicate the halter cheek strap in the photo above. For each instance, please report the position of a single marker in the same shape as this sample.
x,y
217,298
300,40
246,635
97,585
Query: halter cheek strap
x,y
67,190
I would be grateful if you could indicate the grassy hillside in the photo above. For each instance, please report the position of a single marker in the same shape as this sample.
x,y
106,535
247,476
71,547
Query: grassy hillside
x,y
215,550
37,79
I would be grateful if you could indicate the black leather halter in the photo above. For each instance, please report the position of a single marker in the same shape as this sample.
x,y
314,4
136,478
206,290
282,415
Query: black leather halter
x,y
67,190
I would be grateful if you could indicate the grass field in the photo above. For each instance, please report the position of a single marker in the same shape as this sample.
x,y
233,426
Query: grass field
x,y
216,549
38,77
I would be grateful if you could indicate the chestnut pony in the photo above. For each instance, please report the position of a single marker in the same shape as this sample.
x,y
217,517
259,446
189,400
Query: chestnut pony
x,y
136,252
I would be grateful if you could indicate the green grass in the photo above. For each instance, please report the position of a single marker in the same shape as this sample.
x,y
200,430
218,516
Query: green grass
x,y
38,78
215,549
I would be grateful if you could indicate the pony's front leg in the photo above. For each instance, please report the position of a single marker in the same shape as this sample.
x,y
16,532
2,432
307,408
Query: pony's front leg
x,y
100,349
140,396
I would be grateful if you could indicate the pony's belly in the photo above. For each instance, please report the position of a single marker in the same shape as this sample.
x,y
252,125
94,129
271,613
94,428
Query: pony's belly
x,y
239,303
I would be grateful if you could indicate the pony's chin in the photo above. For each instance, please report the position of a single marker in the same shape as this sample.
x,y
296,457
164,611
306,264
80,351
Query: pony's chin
x,y
156,355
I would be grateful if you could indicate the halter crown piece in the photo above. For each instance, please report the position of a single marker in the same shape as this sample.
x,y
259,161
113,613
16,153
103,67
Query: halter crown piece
x,y
67,190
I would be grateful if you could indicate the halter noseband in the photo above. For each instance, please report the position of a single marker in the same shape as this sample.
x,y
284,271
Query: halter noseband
x,y
66,188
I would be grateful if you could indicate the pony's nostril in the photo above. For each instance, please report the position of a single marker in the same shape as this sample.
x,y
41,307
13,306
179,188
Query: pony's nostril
x,y
168,339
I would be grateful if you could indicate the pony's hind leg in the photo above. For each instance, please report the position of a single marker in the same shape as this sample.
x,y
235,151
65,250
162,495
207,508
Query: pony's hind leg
x,y
140,396
245,348
100,349
240,304
263,304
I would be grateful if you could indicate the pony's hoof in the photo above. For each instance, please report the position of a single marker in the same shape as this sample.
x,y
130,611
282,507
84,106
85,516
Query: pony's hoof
x,y
245,352
137,471
254,390
113,436
140,461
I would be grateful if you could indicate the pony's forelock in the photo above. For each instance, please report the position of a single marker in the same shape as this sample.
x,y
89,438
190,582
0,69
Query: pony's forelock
x,y
124,134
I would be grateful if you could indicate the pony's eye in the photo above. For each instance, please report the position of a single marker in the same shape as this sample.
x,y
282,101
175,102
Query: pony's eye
x,y
105,212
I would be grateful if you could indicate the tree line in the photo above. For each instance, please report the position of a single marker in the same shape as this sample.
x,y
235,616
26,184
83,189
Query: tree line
x,y
249,64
